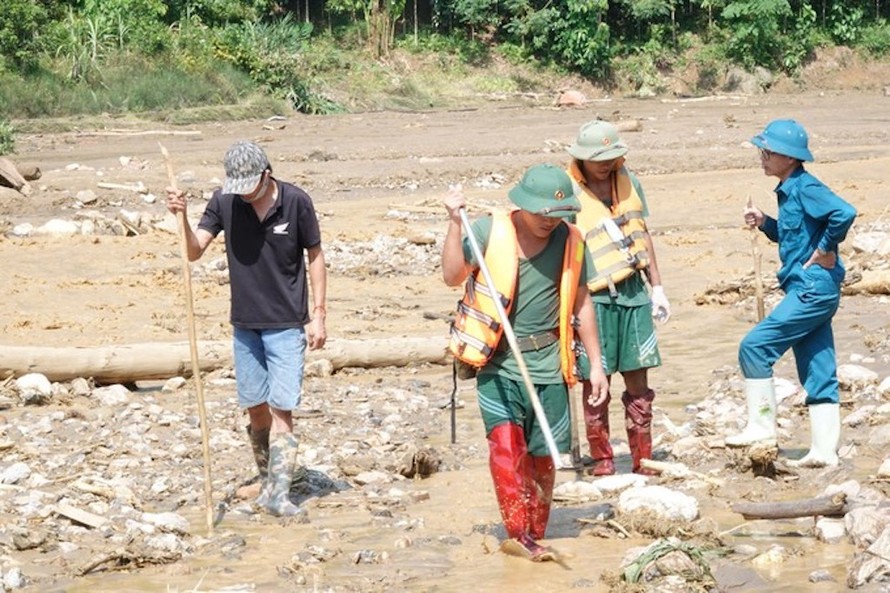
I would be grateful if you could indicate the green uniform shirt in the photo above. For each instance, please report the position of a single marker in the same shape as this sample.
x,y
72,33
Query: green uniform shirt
x,y
536,304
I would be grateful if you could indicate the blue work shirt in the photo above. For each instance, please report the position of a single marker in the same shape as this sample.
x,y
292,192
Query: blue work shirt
x,y
810,216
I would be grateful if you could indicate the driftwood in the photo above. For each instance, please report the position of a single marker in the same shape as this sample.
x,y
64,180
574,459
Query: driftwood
x,y
162,360
825,506
140,133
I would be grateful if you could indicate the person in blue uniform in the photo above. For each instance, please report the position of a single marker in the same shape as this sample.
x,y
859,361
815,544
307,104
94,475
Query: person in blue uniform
x,y
811,223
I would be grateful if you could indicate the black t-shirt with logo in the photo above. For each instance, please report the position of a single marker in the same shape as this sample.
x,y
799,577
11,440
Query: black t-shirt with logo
x,y
267,271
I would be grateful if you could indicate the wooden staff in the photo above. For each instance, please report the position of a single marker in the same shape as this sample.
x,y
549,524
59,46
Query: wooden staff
x,y
758,273
193,345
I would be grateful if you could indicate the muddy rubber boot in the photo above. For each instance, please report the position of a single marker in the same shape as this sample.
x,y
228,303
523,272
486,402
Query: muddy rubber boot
x,y
282,461
541,495
526,547
259,442
638,420
825,430
510,467
760,395
596,421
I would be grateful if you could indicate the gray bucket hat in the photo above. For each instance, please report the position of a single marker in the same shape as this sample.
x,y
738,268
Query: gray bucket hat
x,y
598,141
546,190
244,164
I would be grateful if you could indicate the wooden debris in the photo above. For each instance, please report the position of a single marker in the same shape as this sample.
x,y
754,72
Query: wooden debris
x,y
140,133
825,506
81,516
138,188
162,360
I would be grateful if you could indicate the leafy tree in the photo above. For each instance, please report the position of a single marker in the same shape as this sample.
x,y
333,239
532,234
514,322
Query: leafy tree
x,y
21,23
218,13
755,31
845,23
582,37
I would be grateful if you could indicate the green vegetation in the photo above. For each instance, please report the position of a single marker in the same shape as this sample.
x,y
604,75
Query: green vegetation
x,y
7,137
181,59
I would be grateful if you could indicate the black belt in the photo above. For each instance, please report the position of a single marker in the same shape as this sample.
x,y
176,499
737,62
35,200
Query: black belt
x,y
532,342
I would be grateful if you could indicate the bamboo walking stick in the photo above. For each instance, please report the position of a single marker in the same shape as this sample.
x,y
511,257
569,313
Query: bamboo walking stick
x,y
514,345
193,346
758,272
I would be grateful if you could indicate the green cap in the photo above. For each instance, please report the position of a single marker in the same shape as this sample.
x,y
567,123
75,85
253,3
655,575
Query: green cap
x,y
598,141
546,190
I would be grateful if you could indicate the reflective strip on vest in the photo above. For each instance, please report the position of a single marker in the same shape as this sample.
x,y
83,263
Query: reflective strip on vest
x,y
473,335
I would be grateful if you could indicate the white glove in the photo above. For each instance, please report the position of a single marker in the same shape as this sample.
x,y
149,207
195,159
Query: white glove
x,y
661,308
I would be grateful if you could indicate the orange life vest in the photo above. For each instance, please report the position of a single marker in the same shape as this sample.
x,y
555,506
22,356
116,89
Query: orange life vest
x,y
615,258
477,330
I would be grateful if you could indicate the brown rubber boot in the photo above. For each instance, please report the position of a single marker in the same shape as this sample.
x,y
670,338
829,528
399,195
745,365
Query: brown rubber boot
x,y
638,418
596,420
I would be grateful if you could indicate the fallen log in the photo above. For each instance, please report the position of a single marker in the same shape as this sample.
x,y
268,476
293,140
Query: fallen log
x,y
825,506
162,360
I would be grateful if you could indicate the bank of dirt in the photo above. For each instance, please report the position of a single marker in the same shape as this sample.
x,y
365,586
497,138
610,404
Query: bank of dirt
x,y
377,180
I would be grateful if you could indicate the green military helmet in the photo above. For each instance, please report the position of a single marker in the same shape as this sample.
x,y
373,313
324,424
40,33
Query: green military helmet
x,y
546,190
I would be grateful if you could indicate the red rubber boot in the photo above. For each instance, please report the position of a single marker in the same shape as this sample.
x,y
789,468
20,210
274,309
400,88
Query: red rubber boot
x,y
541,496
596,420
638,419
511,472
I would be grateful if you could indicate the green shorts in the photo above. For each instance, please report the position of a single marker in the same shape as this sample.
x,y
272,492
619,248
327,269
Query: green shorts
x,y
505,400
627,339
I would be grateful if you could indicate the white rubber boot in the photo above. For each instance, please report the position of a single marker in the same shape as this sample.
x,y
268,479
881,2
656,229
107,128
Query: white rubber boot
x,y
761,397
825,428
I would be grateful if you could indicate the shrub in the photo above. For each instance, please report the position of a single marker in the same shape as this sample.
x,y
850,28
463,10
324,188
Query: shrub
x,y
7,137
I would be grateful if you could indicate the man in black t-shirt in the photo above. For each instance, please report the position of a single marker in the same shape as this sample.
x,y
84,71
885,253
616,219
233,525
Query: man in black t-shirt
x,y
269,228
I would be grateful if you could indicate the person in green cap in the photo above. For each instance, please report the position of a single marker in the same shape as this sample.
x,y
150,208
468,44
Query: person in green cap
x,y
613,220
539,268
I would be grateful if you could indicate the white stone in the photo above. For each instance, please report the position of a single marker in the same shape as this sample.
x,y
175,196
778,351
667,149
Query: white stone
x,y
86,196
852,376
884,388
830,530
372,477
578,490
871,242
14,579
24,229
859,416
112,395
776,554
619,482
34,383
884,470
58,228
15,473
664,502
173,384
167,521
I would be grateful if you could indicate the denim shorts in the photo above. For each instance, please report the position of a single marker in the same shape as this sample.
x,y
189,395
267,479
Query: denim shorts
x,y
269,366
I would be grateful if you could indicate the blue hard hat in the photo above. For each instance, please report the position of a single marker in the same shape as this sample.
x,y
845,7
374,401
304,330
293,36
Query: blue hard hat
x,y
784,136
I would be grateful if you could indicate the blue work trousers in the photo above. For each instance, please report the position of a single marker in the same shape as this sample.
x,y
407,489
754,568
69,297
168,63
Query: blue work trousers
x,y
802,322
